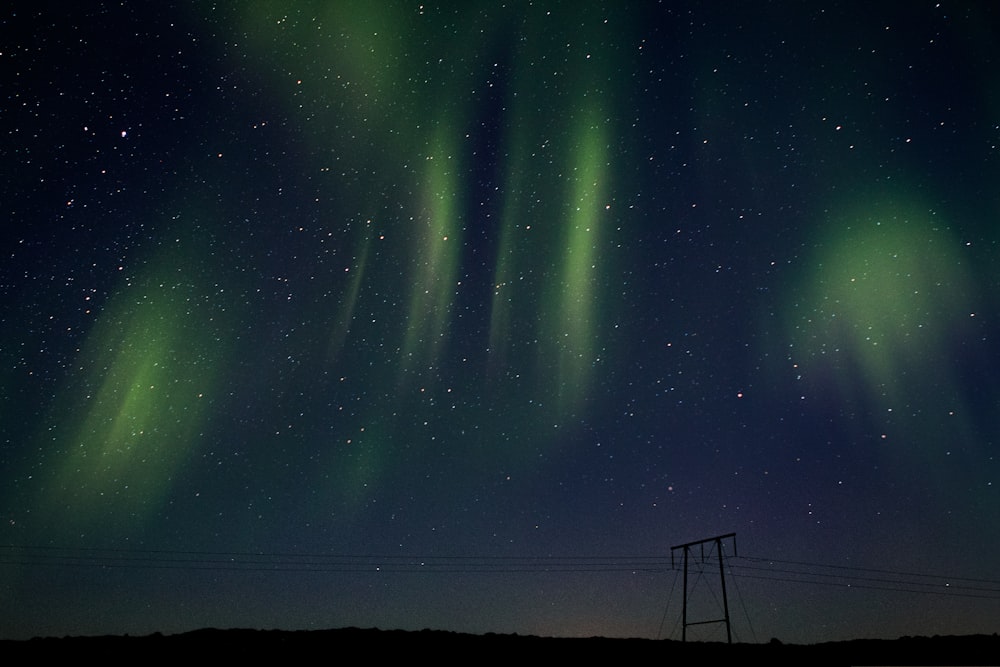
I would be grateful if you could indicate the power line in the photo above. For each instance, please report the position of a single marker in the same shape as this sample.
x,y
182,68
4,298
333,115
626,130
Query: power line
x,y
867,569
894,589
745,567
889,580
318,562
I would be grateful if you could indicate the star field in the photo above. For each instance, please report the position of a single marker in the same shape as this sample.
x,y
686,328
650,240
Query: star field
x,y
327,314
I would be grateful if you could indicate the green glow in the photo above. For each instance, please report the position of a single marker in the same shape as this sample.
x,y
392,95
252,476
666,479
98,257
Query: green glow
x,y
887,299
127,421
349,300
549,280
345,65
505,275
360,463
436,254
393,89
576,297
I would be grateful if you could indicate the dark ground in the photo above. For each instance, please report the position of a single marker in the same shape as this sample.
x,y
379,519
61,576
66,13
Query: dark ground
x,y
444,646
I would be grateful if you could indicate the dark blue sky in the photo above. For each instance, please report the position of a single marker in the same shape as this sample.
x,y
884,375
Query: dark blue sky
x,y
459,316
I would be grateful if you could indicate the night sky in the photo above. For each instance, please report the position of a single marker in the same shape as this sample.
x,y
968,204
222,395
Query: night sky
x,y
460,315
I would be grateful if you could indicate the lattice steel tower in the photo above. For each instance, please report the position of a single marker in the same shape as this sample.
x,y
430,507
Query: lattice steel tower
x,y
716,544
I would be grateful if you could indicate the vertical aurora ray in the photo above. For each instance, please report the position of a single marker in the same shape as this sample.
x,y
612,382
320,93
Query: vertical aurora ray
x,y
552,265
502,298
351,294
360,76
436,258
508,268
573,302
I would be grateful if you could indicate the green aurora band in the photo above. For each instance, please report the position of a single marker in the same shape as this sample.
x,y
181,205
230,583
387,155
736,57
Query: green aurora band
x,y
882,316
132,411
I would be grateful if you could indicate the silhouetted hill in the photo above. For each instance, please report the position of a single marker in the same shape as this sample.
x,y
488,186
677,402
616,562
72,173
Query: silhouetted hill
x,y
447,646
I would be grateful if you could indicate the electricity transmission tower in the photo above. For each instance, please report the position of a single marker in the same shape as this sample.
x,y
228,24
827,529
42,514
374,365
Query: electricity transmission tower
x,y
716,544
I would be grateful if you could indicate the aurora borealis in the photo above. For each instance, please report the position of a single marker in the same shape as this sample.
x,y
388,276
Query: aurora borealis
x,y
460,315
